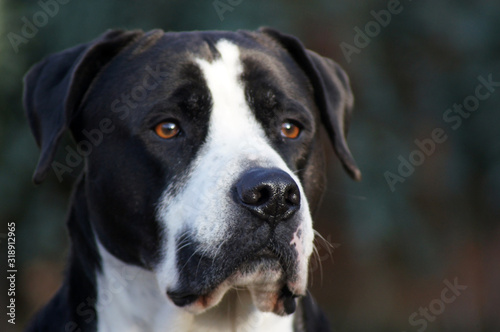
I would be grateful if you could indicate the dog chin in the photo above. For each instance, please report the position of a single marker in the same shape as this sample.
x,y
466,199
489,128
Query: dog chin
x,y
270,290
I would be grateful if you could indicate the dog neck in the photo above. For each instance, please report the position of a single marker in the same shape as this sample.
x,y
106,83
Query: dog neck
x,y
129,299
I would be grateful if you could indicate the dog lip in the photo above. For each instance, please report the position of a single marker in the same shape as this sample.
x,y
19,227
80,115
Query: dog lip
x,y
288,298
265,255
182,299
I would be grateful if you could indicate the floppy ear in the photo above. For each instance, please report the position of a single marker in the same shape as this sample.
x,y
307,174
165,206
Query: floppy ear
x,y
332,94
55,87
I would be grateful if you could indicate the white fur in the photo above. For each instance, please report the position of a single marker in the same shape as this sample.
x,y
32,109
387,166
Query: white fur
x,y
129,300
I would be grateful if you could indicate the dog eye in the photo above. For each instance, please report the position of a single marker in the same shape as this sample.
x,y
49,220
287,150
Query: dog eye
x,y
290,130
167,129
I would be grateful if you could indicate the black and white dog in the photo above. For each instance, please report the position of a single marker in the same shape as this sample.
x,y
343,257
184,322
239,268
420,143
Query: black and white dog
x,y
203,164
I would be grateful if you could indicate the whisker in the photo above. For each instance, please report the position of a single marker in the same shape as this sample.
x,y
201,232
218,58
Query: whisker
x,y
187,261
203,253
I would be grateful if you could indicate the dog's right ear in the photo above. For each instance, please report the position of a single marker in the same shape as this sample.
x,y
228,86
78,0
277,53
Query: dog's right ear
x,y
55,87
332,93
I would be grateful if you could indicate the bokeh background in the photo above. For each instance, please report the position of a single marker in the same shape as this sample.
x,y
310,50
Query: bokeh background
x,y
393,248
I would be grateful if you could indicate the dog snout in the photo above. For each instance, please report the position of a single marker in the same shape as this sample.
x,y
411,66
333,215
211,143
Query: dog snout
x,y
270,194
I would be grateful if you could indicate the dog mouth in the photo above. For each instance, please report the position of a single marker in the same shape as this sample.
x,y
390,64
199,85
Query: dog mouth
x,y
264,276
281,302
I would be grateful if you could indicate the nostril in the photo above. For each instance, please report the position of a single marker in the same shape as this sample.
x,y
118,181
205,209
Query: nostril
x,y
250,197
293,195
254,196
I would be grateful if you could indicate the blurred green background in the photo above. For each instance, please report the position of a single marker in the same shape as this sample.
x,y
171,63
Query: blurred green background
x,y
394,247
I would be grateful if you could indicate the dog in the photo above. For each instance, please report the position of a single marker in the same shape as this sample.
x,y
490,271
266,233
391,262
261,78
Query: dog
x,y
203,163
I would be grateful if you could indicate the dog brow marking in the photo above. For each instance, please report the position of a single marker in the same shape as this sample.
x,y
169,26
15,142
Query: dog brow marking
x,y
230,109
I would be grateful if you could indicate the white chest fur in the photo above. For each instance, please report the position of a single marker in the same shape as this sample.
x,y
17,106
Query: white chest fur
x,y
129,300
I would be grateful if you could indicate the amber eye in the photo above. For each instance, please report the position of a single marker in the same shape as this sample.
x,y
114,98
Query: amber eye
x,y
290,130
167,129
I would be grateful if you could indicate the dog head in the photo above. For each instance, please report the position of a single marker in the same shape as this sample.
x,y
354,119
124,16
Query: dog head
x,y
202,150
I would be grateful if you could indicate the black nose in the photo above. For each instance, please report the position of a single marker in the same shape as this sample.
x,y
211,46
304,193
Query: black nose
x,y
270,194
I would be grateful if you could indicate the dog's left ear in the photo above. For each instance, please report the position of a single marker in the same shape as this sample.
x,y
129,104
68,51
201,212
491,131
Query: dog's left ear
x,y
332,94
55,87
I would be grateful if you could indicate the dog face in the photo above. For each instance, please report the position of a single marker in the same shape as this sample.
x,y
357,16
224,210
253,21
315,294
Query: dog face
x,y
210,159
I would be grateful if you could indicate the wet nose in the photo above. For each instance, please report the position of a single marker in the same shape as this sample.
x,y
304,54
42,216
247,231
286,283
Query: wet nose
x,y
270,194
